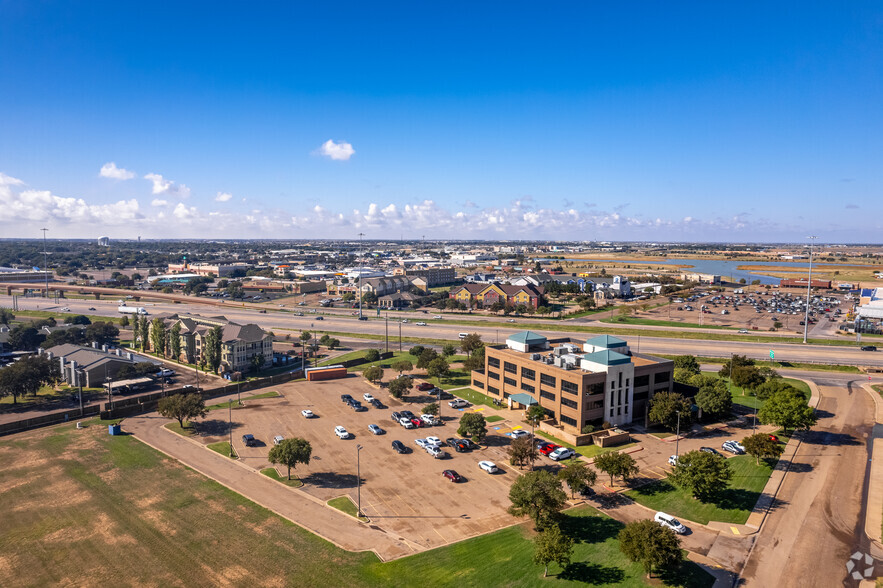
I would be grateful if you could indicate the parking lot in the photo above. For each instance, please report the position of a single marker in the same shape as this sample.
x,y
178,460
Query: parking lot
x,y
404,494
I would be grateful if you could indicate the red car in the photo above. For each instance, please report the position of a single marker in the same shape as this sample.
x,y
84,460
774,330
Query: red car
x,y
774,438
452,476
418,423
425,386
546,450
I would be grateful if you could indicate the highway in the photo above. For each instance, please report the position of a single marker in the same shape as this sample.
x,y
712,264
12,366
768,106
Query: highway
x,y
642,342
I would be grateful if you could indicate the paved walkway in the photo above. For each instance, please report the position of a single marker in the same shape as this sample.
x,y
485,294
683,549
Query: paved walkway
x,y
298,507
874,508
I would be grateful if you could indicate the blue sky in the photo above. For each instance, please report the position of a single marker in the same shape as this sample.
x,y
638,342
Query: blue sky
x,y
582,120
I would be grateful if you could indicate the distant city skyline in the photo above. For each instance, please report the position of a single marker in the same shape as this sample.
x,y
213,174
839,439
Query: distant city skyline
x,y
670,123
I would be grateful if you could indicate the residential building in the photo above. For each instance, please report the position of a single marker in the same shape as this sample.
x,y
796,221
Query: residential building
x,y
397,300
475,295
578,383
432,276
240,344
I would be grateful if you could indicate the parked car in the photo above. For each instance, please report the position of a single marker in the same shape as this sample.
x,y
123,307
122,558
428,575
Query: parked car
x,y
587,492
436,452
407,423
470,444
451,441
458,403
452,476
673,460
424,386
408,414
434,441
421,443
345,397
396,416
561,453
417,423
399,447
517,433
341,432
440,394
278,439
488,466
549,448
307,413
666,520
248,440
376,403
774,438
709,450
367,397
375,429
733,446
429,419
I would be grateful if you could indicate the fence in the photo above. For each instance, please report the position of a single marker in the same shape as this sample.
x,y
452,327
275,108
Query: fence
x,y
48,419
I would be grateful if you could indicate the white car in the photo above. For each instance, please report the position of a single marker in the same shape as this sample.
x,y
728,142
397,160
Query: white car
x,y
562,453
405,321
438,316
743,331
375,429
433,441
65,309
406,422
666,520
421,443
428,419
518,433
308,414
278,439
673,460
733,446
420,324
488,466
368,397
435,452
458,403
341,432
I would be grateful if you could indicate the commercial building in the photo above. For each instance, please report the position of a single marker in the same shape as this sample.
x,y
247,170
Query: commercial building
x,y
801,283
431,276
11,274
91,366
218,270
578,383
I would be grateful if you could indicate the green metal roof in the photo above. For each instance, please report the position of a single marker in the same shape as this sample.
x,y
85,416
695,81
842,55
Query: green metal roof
x,y
606,341
527,337
607,357
522,398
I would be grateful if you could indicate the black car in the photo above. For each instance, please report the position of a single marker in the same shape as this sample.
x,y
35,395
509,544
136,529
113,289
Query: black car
x,y
376,403
709,450
399,447
469,444
452,441
319,318
396,416
249,440
357,406
869,348
543,444
587,492
408,414
345,397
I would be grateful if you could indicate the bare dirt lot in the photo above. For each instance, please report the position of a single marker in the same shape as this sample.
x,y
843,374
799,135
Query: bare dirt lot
x,y
404,494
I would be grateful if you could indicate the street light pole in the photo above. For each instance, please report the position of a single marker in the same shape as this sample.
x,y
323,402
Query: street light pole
x,y
808,287
359,261
45,262
230,423
678,435
359,480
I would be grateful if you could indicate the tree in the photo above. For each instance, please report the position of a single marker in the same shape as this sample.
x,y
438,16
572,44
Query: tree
x,y
535,414
537,495
27,376
399,386
416,350
715,400
372,355
256,362
291,452
6,316
476,360
615,464
771,386
448,349
687,362
550,545
578,476
212,349
25,337
101,333
701,474
182,407
124,321
79,319
650,544
787,409
333,343
760,446
664,407
175,341
158,335
471,343
402,365
472,424
431,408
522,451
438,368
305,336
373,374
426,356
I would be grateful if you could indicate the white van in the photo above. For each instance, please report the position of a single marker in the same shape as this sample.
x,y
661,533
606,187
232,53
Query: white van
x,y
464,335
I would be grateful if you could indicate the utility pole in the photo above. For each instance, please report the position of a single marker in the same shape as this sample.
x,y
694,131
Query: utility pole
x,y
400,336
45,262
359,265
359,481
387,332
230,423
808,288
678,435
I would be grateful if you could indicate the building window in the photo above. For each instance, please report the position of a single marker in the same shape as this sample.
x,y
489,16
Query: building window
x,y
569,387
547,395
640,395
510,382
568,402
478,384
492,390
618,411
626,382
528,374
619,397
510,367
493,375
596,388
493,362
547,380
596,405
612,385
661,377
620,379
568,421
527,388
611,412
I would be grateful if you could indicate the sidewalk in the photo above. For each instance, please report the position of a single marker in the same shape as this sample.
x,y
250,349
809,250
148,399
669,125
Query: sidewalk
x,y
874,508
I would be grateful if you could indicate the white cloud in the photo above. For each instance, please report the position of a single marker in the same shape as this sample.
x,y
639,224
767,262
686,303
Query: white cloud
x,y
159,202
110,170
337,151
223,197
164,186
185,213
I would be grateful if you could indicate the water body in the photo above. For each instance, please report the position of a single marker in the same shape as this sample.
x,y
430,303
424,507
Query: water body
x,y
727,269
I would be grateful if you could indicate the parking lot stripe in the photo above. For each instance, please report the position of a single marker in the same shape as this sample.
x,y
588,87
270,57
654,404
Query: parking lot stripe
x,y
478,409
735,531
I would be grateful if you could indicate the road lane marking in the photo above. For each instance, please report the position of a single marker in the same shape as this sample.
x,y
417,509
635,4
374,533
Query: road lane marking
x,y
735,531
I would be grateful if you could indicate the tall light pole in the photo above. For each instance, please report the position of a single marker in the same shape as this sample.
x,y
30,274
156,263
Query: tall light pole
x,y
45,262
808,287
358,481
360,274
230,423
678,435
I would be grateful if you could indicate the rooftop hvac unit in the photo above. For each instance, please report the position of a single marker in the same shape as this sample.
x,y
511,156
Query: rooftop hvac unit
x,y
558,361
568,366
535,356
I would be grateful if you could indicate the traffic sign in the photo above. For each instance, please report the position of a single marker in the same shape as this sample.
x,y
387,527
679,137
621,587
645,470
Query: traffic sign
x,y
772,354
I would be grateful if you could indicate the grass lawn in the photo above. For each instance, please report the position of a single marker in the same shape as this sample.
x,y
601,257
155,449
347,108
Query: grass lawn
x,y
663,435
878,388
745,398
660,323
294,482
188,430
457,378
123,510
346,505
589,451
732,506
493,418
474,397
849,369
222,447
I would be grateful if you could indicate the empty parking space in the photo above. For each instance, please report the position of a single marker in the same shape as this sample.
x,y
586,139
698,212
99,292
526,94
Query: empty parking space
x,y
405,494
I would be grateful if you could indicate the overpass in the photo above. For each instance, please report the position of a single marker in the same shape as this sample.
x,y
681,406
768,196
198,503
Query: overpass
x,y
99,291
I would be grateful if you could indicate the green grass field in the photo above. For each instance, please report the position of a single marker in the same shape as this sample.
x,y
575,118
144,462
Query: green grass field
x,y
585,450
122,513
493,419
294,482
222,447
630,320
732,506
345,504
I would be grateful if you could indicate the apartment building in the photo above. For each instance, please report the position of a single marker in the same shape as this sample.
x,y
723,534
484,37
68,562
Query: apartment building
x,y
485,295
578,383
431,276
